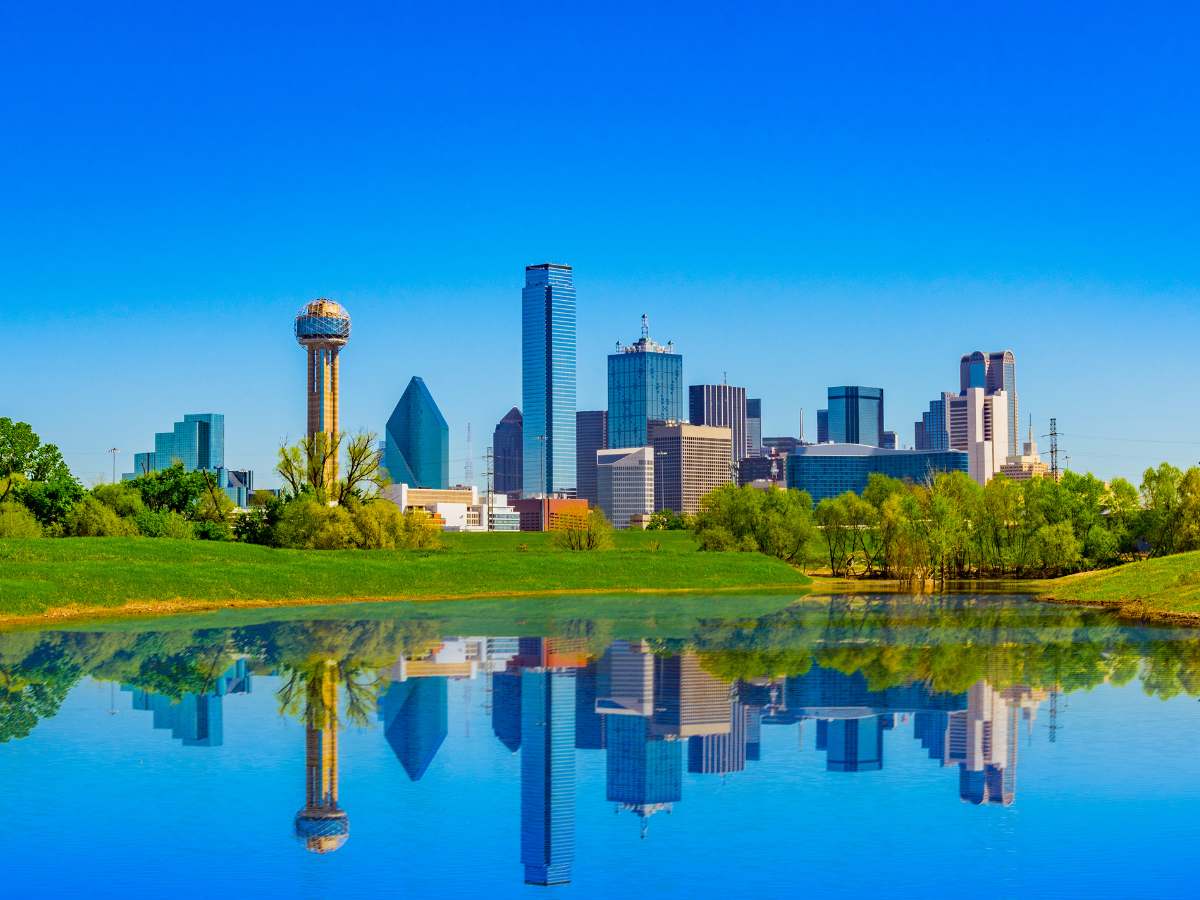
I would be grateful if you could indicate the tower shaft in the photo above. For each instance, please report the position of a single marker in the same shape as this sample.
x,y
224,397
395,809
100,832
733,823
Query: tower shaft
x,y
323,398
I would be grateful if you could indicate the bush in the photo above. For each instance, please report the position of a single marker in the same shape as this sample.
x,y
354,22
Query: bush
x,y
308,524
775,522
1057,548
380,525
18,522
420,531
91,518
122,498
590,532
163,524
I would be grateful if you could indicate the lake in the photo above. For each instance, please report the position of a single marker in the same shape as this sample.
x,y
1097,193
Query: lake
x,y
883,746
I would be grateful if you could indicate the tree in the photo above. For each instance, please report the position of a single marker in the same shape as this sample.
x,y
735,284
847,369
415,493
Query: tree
x,y
23,454
18,522
306,467
91,518
1057,548
50,501
1160,497
667,520
173,488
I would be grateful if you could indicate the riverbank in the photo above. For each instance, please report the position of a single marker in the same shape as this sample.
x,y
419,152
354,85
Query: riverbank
x,y
71,578
1166,589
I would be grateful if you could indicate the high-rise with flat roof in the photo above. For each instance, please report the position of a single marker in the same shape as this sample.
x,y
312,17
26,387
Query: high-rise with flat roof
x,y
591,436
547,775
506,453
198,444
548,380
689,461
753,427
417,440
994,372
723,406
974,422
855,415
625,483
645,384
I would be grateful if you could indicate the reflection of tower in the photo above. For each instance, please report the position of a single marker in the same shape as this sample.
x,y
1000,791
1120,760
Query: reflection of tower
x,y
720,754
547,775
853,745
195,720
982,739
321,824
415,716
687,700
645,773
323,328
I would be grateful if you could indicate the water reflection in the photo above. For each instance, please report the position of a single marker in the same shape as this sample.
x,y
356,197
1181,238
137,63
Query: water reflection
x,y
966,679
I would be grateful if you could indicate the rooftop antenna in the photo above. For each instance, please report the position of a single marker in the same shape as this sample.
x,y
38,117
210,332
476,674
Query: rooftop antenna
x,y
645,327
469,465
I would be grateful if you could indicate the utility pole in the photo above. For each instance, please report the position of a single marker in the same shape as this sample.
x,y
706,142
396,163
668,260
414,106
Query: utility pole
x,y
469,465
114,451
1054,449
490,474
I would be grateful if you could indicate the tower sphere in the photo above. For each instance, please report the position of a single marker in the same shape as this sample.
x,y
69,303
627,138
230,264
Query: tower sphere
x,y
322,830
323,322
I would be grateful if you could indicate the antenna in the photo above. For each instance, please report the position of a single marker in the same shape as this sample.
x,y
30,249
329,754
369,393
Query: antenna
x,y
802,424
645,327
469,465
489,460
1054,449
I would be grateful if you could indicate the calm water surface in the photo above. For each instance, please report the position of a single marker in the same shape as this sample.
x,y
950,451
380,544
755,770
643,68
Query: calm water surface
x,y
874,747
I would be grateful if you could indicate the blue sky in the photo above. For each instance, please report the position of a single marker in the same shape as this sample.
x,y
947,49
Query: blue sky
x,y
799,195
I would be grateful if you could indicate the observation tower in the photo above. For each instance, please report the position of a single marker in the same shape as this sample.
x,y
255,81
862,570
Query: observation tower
x,y
322,328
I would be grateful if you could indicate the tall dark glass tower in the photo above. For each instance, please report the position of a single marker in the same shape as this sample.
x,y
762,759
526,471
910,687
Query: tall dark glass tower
x,y
506,450
548,380
417,440
753,427
645,384
856,415
722,405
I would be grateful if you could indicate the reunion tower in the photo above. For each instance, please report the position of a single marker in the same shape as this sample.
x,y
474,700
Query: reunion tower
x,y
322,328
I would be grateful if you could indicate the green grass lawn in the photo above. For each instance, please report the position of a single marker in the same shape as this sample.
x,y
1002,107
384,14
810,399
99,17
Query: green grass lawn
x,y
1170,584
98,574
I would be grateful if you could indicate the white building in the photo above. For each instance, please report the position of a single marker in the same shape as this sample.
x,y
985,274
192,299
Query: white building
x,y
986,432
458,508
625,483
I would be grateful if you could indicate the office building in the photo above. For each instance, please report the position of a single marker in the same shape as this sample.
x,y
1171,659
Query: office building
x,y
688,701
721,754
984,739
198,444
506,709
417,440
645,384
414,713
828,470
689,461
993,373
763,471
590,733
625,484
548,380
644,771
781,446
722,406
888,440
195,720
853,744
854,415
822,426
550,513
753,428
458,508
591,436
322,328
547,775
506,453
1028,465
974,422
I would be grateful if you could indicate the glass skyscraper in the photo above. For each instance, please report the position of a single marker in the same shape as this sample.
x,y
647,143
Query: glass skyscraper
x,y
198,443
753,427
547,775
856,415
548,380
645,384
993,372
591,435
506,452
416,448
724,406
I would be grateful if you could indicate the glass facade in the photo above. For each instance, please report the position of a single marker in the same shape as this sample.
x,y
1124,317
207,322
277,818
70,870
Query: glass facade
x,y
591,435
753,427
417,440
198,443
828,470
506,453
822,426
414,717
996,371
548,380
855,415
645,384
644,771
723,406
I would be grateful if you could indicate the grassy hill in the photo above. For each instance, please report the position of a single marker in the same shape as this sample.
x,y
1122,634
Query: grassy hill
x,y
90,576
1167,588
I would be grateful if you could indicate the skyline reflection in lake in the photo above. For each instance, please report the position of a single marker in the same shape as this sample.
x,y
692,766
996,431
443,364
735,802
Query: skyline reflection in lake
x,y
865,746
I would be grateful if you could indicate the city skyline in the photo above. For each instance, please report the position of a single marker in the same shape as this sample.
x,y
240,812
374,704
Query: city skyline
x,y
959,207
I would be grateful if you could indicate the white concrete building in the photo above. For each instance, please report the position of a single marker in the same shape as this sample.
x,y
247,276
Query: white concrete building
x,y
625,483
458,508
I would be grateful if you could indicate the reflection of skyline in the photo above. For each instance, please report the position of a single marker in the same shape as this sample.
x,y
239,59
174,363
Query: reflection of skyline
x,y
195,719
322,825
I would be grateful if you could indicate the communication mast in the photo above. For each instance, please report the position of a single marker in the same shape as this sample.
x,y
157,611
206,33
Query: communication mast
x,y
1054,449
469,465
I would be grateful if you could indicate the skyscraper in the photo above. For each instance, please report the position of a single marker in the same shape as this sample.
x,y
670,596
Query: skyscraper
x,y
645,384
855,415
822,426
548,380
625,484
417,440
414,714
689,461
547,775
506,451
591,435
198,444
753,427
723,406
975,422
994,372
322,328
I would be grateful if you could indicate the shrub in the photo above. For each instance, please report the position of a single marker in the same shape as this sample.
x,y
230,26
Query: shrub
x,y
1057,548
91,518
590,532
380,525
18,522
421,531
311,525
163,524
122,498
